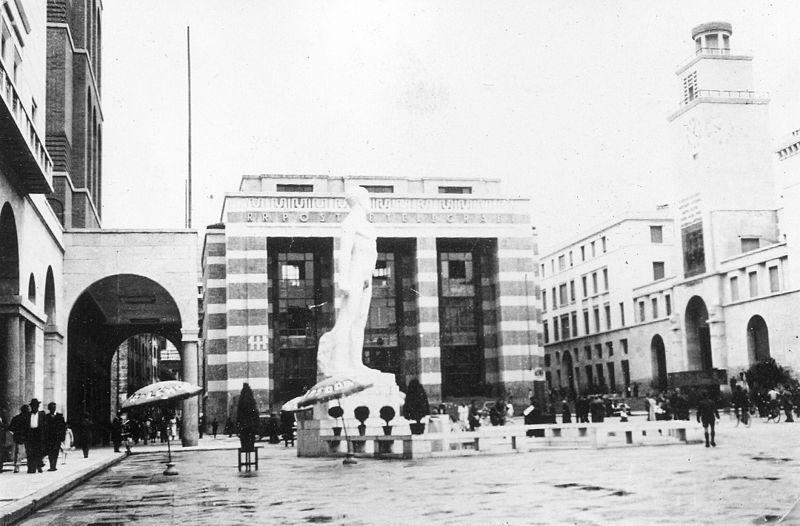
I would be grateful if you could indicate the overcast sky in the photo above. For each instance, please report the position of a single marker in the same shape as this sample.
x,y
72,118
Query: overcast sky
x,y
565,101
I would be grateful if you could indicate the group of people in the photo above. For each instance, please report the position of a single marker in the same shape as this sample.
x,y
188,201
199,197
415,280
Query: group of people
x,y
42,434
671,405
130,431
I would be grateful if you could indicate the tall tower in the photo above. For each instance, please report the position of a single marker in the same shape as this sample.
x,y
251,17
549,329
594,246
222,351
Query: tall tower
x,y
74,113
724,181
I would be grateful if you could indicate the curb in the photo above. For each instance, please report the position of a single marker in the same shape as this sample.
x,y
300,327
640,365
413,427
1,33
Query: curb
x,y
45,496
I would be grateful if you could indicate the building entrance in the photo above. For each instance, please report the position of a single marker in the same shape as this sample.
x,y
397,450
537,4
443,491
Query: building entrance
x,y
757,340
658,357
698,336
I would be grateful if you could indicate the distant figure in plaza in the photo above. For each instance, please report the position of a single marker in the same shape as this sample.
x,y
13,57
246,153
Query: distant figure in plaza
x,y
497,414
55,430
18,427
214,426
788,403
650,405
34,438
116,433
340,349
598,409
636,389
126,431
566,414
85,432
69,442
228,428
474,418
707,414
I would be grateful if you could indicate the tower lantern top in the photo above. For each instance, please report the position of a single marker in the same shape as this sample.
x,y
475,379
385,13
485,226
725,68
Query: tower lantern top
x,y
712,36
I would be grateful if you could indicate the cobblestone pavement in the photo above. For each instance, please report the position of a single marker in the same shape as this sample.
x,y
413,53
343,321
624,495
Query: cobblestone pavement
x,y
752,477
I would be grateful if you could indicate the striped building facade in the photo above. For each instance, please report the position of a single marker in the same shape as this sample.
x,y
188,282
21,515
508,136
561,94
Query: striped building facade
x,y
454,290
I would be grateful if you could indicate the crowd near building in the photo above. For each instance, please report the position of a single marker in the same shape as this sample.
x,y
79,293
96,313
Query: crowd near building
x,y
693,293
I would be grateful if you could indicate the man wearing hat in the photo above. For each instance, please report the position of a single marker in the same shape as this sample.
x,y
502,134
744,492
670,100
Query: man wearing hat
x,y
55,430
34,438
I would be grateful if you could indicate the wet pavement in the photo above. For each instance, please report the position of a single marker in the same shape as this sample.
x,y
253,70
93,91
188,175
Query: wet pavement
x,y
752,477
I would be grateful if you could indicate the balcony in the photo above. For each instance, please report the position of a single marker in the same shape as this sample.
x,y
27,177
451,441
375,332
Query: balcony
x,y
727,94
20,145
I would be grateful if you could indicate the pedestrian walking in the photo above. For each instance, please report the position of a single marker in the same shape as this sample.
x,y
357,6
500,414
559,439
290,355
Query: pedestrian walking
x,y
707,414
55,430
116,433
34,438
214,426
69,442
566,413
18,426
86,429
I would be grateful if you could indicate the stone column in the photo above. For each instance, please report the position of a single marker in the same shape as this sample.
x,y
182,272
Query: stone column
x,y
430,363
54,389
12,384
190,405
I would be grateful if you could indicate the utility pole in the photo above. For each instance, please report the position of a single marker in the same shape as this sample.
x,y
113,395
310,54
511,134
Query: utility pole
x,y
189,79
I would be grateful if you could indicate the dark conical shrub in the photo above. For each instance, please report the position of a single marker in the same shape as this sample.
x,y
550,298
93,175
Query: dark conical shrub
x,y
416,406
247,417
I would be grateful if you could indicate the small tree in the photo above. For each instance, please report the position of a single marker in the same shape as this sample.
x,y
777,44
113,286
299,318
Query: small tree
x,y
416,406
387,413
765,375
247,417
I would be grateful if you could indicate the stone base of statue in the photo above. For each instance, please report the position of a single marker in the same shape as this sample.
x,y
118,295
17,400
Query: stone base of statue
x,y
314,423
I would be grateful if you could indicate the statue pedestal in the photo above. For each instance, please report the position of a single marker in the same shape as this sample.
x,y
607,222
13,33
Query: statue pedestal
x,y
315,422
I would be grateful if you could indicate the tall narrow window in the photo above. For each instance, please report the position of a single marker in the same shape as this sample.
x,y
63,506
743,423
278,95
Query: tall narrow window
x,y
603,243
668,304
570,258
597,319
585,288
621,314
586,328
561,262
610,349
605,279
594,253
583,253
641,311
594,282
574,324
607,309
774,282
562,294
555,299
555,329
753,276
572,291
565,332
546,331
544,301
734,288
655,308
624,344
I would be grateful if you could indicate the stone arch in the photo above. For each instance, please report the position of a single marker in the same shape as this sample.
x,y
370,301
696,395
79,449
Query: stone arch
x,y
9,253
50,296
757,340
104,315
32,289
698,336
658,359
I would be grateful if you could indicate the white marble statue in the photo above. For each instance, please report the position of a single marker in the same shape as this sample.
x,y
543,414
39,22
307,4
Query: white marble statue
x,y
340,349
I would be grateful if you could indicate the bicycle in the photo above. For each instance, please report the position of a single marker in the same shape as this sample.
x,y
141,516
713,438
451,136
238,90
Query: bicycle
x,y
770,411
746,418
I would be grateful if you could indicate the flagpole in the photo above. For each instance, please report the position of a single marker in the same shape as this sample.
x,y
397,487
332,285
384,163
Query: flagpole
x,y
189,88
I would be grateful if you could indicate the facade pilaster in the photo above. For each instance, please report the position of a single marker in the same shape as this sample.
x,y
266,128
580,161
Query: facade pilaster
x,y
189,418
430,360
15,372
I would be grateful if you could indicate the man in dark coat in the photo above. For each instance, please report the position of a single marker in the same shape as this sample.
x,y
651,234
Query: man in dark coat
x,y
18,426
55,430
34,438
707,414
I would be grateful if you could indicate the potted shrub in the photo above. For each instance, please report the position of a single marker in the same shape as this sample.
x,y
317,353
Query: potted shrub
x,y
247,418
416,407
362,413
387,413
336,412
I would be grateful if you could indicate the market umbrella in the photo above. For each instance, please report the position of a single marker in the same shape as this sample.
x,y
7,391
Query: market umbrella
x,y
163,392
334,388
291,405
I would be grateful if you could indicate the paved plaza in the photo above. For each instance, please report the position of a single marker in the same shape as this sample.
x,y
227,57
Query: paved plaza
x,y
752,477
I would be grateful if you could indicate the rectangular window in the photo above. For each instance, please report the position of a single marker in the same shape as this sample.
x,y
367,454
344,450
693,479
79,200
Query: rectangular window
x,y
612,380
546,331
753,276
378,188
624,344
543,272
594,253
583,253
658,270
641,311
774,282
574,323
555,299
655,308
586,322
295,188
689,87
601,379
589,377
603,243
565,332
607,308
668,304
587,352
570,258
656,234
552,266
694,255
734,288
594,282
455,189
605,279
626,372
610,349
561,263
572,291
547,360
544,301
577,376
585,288
749,243
555,329
598,349
621,314
562,294
597,319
